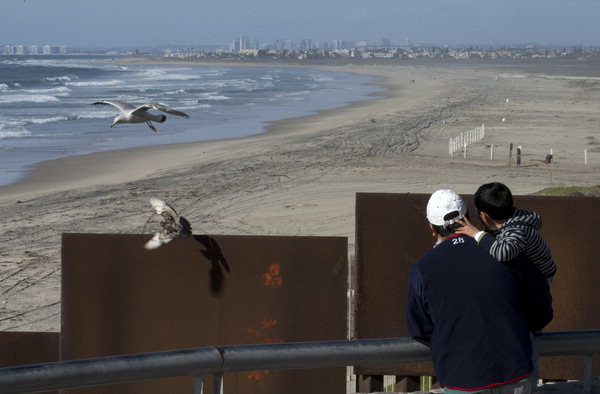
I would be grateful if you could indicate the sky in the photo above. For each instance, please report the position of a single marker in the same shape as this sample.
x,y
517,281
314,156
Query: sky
x,y
139,23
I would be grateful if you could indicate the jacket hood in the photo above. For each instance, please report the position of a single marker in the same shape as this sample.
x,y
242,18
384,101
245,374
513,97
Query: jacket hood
x,y
522,217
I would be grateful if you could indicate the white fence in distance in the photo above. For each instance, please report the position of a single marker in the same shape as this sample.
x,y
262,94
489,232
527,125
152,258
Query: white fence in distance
x,y
466,138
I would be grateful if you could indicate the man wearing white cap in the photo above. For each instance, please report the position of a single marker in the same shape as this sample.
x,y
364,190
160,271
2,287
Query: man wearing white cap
x,y
472,311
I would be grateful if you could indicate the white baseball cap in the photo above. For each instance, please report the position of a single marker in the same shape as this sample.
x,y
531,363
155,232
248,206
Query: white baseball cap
x,y
443,202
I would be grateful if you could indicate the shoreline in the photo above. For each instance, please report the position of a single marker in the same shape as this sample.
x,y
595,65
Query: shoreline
x,y
67,172
300,177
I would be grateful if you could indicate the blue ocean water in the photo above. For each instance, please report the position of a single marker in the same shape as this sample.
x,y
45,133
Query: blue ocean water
x,y
46,111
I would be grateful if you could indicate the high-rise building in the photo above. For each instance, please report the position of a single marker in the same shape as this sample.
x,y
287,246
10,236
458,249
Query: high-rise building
x,y
306,44
240,43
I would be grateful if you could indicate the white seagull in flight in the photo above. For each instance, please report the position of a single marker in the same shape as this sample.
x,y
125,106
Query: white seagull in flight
x,y
132,114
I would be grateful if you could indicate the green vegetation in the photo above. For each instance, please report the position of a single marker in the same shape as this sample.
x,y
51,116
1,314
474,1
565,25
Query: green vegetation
x,y
589,191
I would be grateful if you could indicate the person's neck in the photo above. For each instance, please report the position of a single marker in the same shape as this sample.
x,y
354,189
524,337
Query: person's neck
x,y
441,239
496,224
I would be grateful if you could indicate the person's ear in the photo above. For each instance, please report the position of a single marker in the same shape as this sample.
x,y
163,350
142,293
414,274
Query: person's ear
x,y
433,232
486,219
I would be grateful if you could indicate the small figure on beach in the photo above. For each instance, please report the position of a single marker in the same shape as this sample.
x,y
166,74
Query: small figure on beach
x,y
132,114
172,225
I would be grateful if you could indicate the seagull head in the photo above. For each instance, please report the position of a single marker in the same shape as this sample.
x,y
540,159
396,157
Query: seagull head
x,y
118,120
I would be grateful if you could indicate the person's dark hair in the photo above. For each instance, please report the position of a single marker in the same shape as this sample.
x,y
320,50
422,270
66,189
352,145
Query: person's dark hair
x,y
445,231
495,199
441,230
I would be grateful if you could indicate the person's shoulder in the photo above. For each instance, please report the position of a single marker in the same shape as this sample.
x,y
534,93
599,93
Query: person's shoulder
x,y
458,240
524,218
453,245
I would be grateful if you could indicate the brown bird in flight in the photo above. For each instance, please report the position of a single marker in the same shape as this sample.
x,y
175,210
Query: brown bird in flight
x,y
172,225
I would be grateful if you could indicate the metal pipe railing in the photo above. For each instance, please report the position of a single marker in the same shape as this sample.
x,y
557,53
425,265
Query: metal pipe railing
x,y
219,360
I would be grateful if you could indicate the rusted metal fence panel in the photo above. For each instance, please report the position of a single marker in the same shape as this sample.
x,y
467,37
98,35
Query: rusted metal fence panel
x,y
392,233
118,298
23,348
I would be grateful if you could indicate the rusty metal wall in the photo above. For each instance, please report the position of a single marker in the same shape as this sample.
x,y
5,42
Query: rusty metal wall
x,y
23,348
392,233
118,298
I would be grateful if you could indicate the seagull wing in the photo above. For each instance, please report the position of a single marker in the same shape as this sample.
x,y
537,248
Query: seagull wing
x,y
159,238
121,105
185,228
162,207
163,108
169,228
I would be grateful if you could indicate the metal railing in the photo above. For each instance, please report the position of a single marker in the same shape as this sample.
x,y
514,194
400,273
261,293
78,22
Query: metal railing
x,y
283,356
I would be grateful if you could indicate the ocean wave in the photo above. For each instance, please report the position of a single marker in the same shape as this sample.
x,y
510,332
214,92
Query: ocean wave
x,y
192,104
25,98
321,78
62,78
18,126
96,115
213,96
211,73
3,87
65,62
13,132
293,94
59,91
166,75
112,82
234,85
247,84
58,118
134,100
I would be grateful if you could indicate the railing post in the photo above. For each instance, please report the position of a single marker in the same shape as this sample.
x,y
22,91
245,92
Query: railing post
x,y
198,384
588,373
218,383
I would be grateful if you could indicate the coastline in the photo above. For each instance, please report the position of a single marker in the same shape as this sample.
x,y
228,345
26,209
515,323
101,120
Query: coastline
x,y
106,167
300,176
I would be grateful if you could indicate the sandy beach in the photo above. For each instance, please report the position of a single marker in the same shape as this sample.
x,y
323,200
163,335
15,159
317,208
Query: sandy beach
x,y
300,176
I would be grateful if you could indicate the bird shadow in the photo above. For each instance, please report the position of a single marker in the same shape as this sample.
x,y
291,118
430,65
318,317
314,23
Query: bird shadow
x,y
219,264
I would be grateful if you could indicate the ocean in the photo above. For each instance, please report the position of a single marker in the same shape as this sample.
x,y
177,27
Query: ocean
x,y
46,109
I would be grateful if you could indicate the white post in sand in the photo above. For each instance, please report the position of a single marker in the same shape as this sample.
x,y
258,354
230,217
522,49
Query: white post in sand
x,y
585,156
465,155
492,152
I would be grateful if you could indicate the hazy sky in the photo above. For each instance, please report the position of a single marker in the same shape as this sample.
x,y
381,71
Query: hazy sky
x,y
130,23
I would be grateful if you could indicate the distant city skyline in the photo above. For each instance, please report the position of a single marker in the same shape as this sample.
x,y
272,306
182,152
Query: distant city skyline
x,y
137,23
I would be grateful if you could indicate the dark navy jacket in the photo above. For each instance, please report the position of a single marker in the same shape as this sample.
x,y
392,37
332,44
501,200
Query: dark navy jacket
x,y
476,314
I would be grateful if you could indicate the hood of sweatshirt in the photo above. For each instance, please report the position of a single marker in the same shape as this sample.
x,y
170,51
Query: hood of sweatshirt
x,y
522,217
